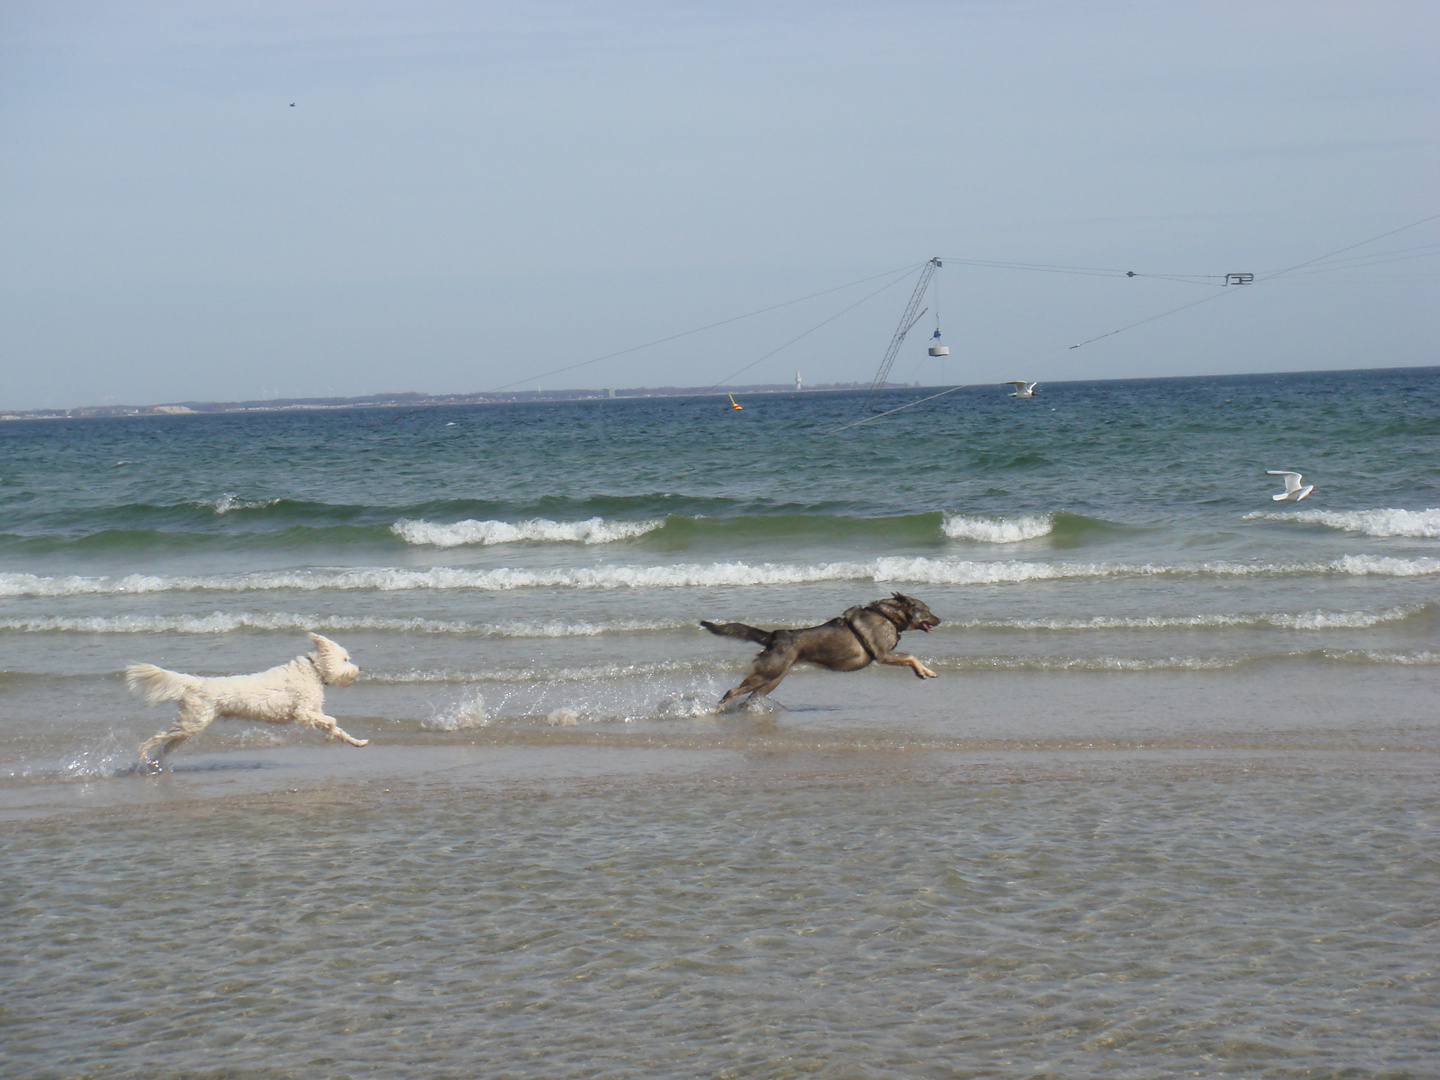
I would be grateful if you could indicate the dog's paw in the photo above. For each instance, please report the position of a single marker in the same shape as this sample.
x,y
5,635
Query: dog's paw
x,y
923,672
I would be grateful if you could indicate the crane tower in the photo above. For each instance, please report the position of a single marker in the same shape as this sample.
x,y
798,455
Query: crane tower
x,y
907,320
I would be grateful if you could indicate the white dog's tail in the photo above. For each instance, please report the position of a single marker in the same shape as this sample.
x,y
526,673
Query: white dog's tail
x,y
155,684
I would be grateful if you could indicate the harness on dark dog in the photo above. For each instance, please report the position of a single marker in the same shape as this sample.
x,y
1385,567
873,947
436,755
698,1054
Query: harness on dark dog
x,y
861,637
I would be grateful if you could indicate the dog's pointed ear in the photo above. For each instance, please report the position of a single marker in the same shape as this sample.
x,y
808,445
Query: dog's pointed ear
x,y
323,644
902,598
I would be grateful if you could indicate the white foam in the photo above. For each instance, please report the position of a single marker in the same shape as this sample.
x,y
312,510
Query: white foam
x,y
1116,663
1339,620
1420,524
229,501
1382,566
1310,620
1139,664
997,530
919,570
595,530
468,712
599,701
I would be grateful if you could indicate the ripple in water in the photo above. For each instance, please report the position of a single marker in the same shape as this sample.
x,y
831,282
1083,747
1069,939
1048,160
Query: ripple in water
x,y
1217,922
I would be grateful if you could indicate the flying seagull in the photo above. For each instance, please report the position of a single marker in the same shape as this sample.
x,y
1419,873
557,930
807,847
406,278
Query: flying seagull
x,y
1293,491
1022,388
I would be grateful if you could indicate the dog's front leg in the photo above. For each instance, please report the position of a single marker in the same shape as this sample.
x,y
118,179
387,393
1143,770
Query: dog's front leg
x,y
900,659
332,729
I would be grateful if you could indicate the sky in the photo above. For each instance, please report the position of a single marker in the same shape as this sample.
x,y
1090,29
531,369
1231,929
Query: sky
x,y
231,201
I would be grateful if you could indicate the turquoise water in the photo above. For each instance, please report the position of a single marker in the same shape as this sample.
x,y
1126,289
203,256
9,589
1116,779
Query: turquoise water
x,y
1170,808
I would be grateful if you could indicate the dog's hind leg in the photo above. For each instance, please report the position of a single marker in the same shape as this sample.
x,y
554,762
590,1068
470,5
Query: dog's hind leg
x,y
195,717
331,728
759,694
752,682
765,675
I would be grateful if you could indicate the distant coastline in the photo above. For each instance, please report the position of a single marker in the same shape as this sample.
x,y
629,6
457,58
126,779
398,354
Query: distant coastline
x,y
410,400
413,400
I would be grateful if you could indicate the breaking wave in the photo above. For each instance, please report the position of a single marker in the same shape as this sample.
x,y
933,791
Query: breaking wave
x,y
918,570
235,524
1001,530
1420,524
229,501
595,530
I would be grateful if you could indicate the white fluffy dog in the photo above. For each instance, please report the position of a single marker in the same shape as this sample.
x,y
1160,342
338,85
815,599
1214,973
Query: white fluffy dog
x,y
292,693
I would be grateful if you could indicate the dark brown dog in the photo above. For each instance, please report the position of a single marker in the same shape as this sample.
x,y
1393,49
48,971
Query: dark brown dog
x,y
847,643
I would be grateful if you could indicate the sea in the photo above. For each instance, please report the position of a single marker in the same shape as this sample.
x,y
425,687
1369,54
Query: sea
x,y
1169,810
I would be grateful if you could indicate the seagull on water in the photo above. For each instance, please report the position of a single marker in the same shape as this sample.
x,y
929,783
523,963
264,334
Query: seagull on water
x,y
1022,388
1293,491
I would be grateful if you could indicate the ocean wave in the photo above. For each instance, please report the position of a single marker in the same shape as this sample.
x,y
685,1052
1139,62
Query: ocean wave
x,y
675,531
883,571
1141,664
1001,530
109,542
681,531
789,528
1379,656
1420,524
718,669
963,572
1308,620
595,530
301,525
1090,663
221,622
226,622
228,501
271,513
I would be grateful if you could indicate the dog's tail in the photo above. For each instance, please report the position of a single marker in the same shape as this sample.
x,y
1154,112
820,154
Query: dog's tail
x,y
155,684
741,631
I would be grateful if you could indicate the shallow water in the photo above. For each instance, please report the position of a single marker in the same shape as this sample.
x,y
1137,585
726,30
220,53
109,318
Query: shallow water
x,y
1169,810
781,914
